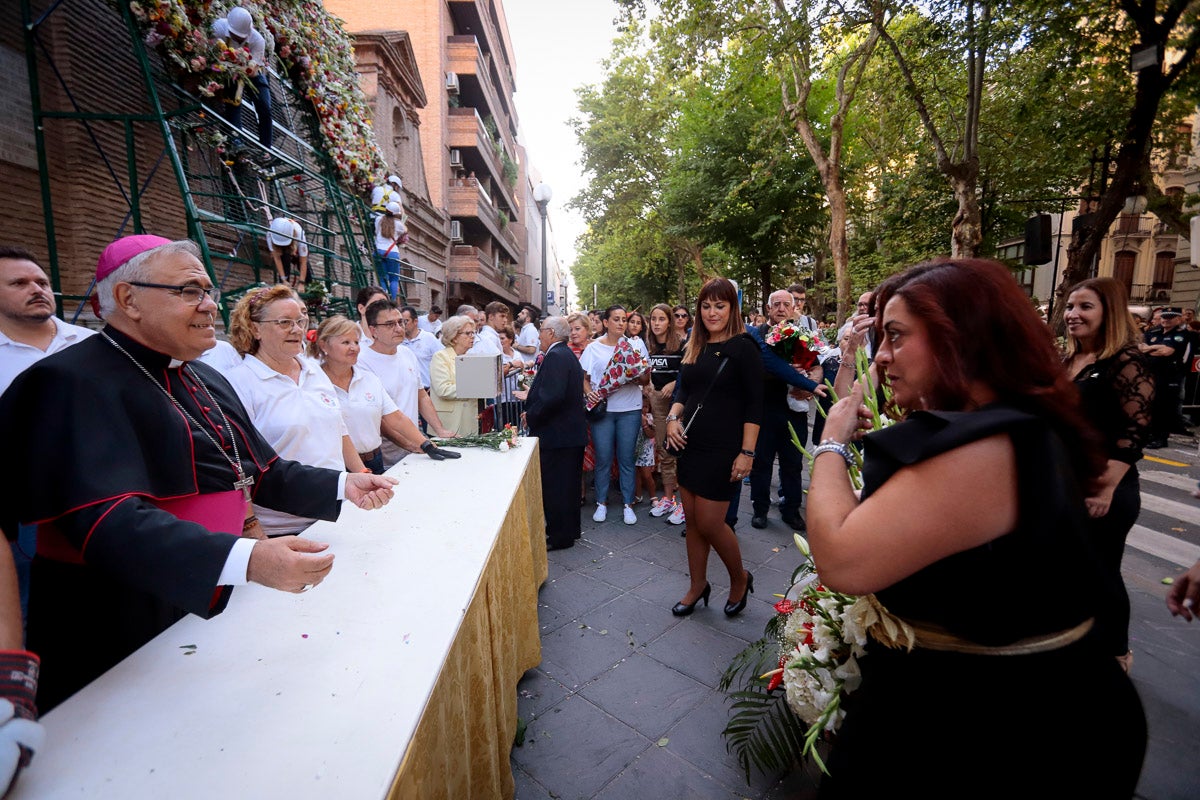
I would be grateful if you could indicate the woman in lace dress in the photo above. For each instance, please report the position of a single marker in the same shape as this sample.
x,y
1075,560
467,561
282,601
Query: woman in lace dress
x,y
1117,389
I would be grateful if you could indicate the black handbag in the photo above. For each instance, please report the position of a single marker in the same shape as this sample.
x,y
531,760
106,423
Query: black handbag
x,y
676,451
597,412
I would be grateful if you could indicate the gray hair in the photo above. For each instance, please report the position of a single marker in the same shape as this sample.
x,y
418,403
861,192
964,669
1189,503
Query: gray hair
x,y
137,270
465,310
452,327
558,326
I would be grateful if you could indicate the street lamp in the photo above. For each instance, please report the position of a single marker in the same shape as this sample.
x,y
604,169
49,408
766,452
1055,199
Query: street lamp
x,y
541,196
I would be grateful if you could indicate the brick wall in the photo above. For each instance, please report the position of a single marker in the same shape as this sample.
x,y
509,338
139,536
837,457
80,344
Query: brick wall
x,y
89,44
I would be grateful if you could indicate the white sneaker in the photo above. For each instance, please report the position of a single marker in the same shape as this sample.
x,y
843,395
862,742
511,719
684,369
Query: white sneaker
x,y
677,517
601,513
630,517
667,504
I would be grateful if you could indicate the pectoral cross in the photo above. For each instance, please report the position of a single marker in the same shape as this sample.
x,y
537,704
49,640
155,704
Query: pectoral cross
x,y
244,482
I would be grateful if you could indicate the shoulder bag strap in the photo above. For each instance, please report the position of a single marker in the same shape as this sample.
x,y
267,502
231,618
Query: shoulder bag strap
x,y
700,405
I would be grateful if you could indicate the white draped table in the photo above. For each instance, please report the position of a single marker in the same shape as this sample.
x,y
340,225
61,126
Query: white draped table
x,y
395,677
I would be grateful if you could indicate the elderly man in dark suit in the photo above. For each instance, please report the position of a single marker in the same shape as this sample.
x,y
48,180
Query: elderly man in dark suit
x,y
554,413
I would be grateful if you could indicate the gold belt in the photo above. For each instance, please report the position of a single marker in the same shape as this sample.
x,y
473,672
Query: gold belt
x,y
931,637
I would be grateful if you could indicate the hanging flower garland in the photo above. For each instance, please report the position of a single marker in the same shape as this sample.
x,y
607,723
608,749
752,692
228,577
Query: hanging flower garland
x,y
314,49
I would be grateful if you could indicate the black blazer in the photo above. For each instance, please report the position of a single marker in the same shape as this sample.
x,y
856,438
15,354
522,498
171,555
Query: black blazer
x,y
554,410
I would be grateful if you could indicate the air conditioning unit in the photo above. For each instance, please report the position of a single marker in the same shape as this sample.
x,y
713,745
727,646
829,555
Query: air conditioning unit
x,y
455,231
1162,296
452,82
455,158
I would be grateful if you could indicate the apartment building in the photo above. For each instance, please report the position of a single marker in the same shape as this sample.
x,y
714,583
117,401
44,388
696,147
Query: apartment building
x,y
472,163
1151,259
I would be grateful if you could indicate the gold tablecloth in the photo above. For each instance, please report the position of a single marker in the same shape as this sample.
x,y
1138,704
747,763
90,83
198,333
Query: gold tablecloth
x,y
461,746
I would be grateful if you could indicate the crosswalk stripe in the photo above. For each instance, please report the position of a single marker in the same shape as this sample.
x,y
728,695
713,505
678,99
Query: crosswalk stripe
x,y
1184,512
1172,479
1160,545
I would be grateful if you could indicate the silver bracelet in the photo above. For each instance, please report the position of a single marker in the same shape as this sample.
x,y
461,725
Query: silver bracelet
x,y
830,446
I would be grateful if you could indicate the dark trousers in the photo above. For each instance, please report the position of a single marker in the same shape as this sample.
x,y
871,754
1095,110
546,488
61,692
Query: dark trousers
x,y
260,93
774,439
1108,534
562,473
1164,417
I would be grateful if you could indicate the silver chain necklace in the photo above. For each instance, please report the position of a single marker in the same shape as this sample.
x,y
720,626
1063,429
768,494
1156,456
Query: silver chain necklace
x,y
243,482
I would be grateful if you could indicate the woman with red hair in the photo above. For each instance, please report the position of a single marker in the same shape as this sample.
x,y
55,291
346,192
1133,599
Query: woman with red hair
x,y
971,531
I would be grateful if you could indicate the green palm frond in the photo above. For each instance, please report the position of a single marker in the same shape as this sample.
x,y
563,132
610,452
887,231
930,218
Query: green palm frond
x,y
763,733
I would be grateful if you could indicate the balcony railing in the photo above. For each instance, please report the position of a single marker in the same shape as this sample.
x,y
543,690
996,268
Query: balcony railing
x,y
467,130
1133,225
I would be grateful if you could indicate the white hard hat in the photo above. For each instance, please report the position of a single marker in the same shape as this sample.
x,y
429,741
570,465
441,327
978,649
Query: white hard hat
x,y
282,231
396,180
394,208
240,22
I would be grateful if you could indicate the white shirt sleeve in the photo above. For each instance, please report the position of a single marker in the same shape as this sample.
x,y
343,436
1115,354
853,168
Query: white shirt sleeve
x,y
237,563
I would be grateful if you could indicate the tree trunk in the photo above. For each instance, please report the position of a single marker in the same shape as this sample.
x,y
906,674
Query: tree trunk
x,y
966,232
839,247
1131,163
818,305
764,279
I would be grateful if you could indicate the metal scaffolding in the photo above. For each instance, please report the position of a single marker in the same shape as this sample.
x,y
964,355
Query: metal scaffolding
x,y
230,185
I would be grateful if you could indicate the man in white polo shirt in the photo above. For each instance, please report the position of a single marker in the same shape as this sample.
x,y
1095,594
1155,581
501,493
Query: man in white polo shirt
x,y
397,367
432,321
422,344
28,329
527,332
28,333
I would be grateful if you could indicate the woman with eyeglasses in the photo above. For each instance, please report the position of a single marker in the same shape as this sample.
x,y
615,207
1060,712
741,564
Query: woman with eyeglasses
x,y
290,399
682,318
369,411
459,415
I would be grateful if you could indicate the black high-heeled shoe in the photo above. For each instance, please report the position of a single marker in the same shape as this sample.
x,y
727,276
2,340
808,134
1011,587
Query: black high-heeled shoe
x,y
732,609
683,609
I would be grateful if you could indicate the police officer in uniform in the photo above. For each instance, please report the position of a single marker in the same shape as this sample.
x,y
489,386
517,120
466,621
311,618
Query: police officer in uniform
x,y
1169,349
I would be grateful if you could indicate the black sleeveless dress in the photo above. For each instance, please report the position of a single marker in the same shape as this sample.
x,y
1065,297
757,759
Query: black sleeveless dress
x,y
1063,723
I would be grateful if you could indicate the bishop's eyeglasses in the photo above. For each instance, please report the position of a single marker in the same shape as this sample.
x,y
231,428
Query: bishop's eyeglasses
x,y
191,293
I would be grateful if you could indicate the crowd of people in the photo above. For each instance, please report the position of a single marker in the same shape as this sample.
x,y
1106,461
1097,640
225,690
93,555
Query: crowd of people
x,y
227,450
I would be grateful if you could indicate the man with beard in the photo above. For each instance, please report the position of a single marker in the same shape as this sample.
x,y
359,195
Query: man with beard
x,y
28,330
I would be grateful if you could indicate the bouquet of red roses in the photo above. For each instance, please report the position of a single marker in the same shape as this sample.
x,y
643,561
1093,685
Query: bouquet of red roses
x,y
795,345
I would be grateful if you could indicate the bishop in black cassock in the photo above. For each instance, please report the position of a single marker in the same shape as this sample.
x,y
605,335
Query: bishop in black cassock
x,y
113,467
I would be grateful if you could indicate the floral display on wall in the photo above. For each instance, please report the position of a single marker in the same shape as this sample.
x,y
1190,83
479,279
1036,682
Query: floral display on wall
x,y
312,47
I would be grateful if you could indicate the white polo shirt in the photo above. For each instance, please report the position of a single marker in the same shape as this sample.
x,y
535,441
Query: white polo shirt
x,y
487,342
426,324
302,421
16,357
363,408
422,346
528,337
222,357
401,378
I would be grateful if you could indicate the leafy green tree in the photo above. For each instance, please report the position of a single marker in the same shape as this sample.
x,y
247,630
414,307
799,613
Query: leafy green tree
x,y
737,180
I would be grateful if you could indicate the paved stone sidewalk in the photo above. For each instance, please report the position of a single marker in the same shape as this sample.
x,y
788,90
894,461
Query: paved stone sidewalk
x,y
624,703
620,674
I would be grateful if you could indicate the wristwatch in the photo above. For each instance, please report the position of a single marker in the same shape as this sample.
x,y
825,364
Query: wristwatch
x,y
672,417
748,453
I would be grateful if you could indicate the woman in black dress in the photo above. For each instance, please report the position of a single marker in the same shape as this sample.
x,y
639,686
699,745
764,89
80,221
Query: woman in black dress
x,y
714,420
972,530
1117,389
